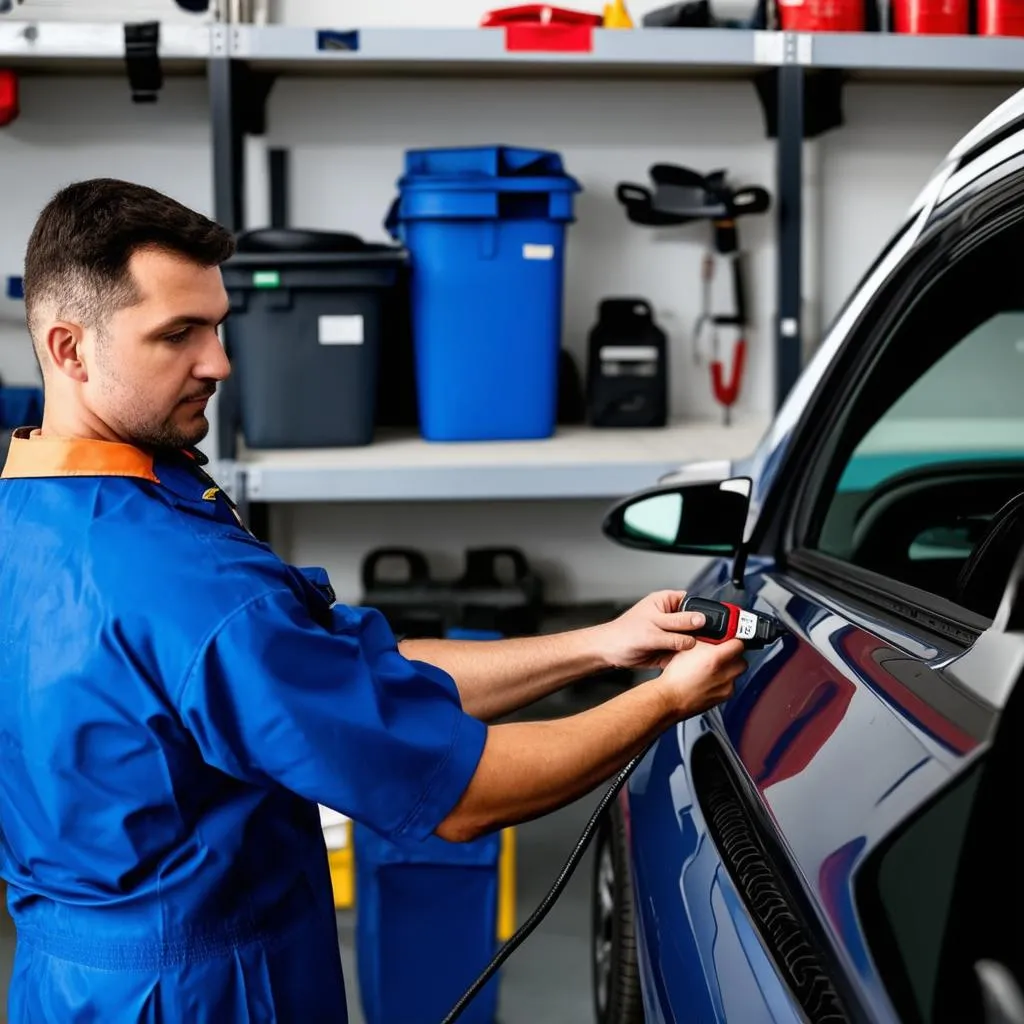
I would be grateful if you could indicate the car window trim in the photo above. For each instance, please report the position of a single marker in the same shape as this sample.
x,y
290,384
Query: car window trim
x,y
890,961
930,615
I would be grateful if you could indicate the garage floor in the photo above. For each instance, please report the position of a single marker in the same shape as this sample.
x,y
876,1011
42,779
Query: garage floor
x,y
548,979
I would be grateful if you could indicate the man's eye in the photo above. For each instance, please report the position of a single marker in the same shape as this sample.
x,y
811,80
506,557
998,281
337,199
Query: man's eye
x,y
178,336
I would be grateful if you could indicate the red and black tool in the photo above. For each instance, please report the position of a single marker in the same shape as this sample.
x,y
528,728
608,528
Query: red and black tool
x,y
725,621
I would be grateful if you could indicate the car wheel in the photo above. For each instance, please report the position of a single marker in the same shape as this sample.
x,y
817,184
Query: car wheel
x,y
615,977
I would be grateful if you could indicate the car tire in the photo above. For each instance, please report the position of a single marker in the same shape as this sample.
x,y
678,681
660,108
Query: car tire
x,y
615,976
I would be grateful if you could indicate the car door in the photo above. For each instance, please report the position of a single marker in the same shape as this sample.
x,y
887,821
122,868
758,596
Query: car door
x,y
751,825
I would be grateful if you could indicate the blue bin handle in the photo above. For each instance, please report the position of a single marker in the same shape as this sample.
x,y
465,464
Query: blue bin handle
x,y
391,221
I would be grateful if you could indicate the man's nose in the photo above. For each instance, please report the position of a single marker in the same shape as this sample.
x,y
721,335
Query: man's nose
x,y
214,364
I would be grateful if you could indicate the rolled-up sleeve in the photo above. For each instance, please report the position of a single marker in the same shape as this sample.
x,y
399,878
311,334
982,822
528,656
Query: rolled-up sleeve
x,y
333,713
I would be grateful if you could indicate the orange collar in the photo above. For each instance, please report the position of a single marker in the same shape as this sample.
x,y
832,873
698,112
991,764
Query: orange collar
x,y
32,456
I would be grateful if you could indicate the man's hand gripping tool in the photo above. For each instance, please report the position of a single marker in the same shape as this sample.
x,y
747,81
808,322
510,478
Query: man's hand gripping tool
x,y
724,621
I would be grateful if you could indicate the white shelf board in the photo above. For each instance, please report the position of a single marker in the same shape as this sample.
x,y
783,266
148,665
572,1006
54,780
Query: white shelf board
x,y
681,52
74,45
637,52
873,54
578,462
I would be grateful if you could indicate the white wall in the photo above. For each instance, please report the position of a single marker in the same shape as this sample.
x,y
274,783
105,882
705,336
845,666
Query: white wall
x,y
73,128
347,139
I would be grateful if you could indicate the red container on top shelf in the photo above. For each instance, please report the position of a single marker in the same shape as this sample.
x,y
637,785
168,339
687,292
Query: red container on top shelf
x,y
931,17
1001,17
821,15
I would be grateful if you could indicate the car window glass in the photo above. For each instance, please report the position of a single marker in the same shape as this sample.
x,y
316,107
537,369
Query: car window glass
x,y
934,448
905,893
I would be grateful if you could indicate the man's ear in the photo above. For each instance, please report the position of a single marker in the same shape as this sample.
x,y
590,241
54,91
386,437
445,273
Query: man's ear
x,y
64,350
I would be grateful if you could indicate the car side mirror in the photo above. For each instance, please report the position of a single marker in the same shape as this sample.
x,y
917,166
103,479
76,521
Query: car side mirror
x,y
684,519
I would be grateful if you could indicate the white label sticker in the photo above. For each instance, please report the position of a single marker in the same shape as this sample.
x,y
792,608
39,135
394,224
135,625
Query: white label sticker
x,y
340,330
630,353
746,627
538,252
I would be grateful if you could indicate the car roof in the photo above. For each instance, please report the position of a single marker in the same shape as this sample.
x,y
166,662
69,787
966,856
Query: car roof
x,y
996,138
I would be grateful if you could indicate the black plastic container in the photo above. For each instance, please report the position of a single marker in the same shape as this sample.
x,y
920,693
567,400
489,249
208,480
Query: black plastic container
x,y
310,314
627,367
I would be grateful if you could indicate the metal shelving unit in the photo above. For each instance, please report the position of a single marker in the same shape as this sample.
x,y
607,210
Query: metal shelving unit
x,y
667,52
247,59
242,62
676,53
75,47
921,58
579,462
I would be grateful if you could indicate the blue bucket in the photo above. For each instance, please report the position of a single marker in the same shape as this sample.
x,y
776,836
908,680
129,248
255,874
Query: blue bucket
x,y
426,927
486,232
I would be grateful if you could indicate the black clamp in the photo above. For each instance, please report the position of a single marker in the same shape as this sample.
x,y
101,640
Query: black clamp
x,y
145,75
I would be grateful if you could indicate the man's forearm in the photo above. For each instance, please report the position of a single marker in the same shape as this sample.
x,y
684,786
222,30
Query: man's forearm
x,y
530,768
495,677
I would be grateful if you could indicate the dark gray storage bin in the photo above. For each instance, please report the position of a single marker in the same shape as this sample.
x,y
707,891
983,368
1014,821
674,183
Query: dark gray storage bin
x,y
308,314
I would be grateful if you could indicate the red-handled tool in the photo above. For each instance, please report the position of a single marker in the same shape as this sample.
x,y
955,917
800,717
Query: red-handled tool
x,y
727,391
725,621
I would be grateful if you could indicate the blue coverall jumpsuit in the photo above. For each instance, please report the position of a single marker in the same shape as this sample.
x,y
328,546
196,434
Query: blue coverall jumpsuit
x,y
174,703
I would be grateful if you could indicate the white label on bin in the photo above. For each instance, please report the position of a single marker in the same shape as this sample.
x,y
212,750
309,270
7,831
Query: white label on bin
x,y
341,330
630,353
538,252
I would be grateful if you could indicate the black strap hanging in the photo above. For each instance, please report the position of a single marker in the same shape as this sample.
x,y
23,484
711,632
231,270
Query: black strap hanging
x,y
145,75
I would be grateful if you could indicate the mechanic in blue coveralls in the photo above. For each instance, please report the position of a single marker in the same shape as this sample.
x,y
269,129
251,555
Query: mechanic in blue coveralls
x,y
176,700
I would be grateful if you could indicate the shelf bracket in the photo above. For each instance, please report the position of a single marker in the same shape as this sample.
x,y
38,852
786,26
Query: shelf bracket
x,y
823,87
252,88
142,58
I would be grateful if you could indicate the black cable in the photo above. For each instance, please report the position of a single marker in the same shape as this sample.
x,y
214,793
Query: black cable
x,y
551,898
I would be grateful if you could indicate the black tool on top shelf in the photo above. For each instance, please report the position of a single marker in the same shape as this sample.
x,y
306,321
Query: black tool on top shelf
x,y
682,196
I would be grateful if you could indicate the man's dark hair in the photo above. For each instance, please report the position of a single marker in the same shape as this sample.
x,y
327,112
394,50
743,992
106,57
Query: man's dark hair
x,y
78,253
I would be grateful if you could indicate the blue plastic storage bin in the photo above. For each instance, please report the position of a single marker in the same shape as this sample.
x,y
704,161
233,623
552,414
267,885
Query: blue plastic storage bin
x,y
426,926
486,231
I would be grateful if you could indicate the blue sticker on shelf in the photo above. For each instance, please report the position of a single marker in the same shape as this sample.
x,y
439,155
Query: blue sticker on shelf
x,y
15,288
327,39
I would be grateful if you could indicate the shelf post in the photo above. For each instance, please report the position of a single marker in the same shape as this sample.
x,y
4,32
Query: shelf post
x,y
789,192
228,200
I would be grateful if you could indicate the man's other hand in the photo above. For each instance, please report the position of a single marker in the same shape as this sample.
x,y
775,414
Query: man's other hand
x,y
697,680
649,633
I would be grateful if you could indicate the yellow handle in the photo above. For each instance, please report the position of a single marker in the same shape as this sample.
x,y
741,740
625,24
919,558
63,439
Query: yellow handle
x,y
507,885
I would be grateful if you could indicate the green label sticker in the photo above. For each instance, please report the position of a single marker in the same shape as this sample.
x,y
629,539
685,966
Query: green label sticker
x,y
266,279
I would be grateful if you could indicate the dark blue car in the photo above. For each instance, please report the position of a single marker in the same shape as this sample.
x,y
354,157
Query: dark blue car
x,y
843,839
